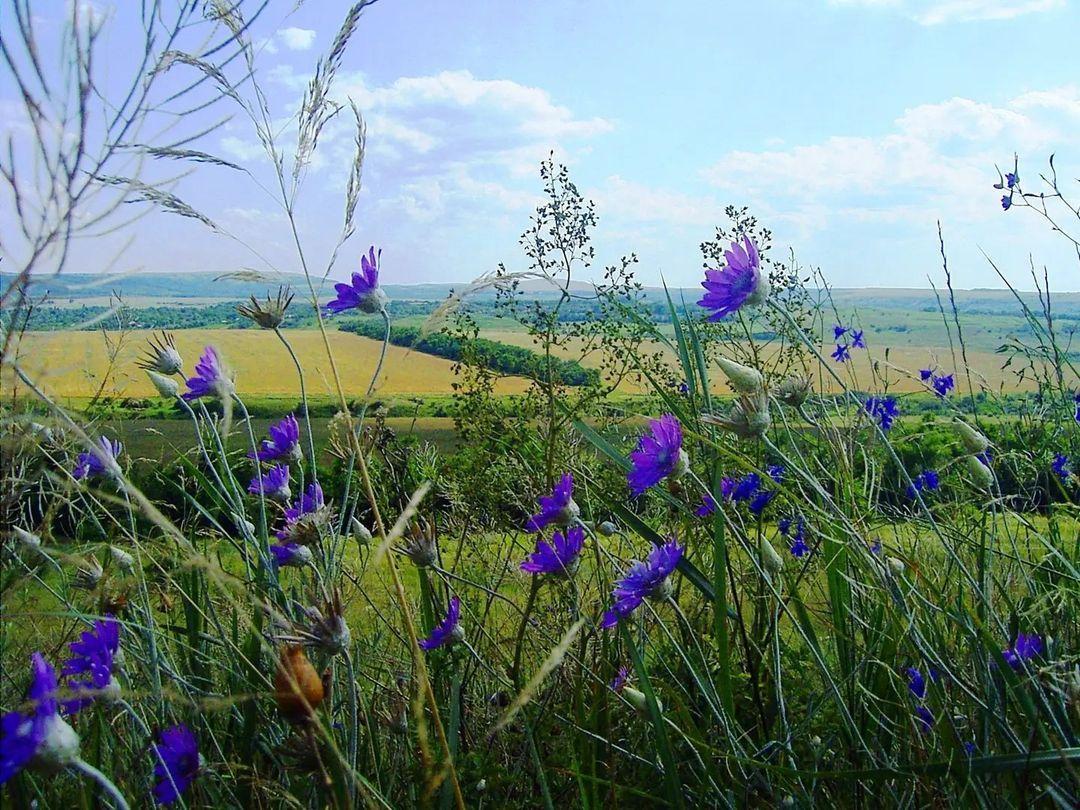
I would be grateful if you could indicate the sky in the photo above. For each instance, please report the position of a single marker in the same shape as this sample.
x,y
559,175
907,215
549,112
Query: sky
x,y
849,127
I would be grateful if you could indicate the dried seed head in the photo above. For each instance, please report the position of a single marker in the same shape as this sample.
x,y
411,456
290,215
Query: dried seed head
x,y
325,628
88,575
748,419
162,356
421,546
793,391
298,689
271,314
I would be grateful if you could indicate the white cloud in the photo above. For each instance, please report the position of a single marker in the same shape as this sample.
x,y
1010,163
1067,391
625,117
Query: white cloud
x,y
297,39
938,12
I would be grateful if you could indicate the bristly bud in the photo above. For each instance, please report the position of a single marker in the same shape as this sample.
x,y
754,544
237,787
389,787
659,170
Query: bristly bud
x,y
271,314
162,356
325,628
973,440
88,575
422,546
794,391
748,419
743,379
298,689
166,387
122,560
360,532
772,562
982,476
607,528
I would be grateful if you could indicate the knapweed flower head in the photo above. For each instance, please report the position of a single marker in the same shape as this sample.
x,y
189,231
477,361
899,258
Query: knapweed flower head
x,y
283,444
659,455
91,666
644,580
883,410
292,555
323,627
40,736
271,314
558,508
364,293
161,355
101,463
421,545
305,518
743,379
177,763
1026,647
560,557
793,391
211,379
1061,467
926,481
88,573
708,506
448,630
274,483
740,281
748,418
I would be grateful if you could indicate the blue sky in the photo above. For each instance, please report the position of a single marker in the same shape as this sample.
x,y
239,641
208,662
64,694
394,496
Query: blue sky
x,y
849,126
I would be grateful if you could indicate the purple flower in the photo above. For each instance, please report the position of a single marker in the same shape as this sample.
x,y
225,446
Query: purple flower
x,y
178,763
738,282
883,410
644,580
89,465
926,480
1006,202
727,487
364,293
308,502
1024,648
798,547
210,378
558,508
620,680
925,374
838,331
746,487
943,385
22,735
775,472
658,456
1012,179
841,353
875,547
916,683
857,339
291,555
708,506
93,657
761,500
283,444
1061,467
560,556
925,718
970,748
448,630
273,484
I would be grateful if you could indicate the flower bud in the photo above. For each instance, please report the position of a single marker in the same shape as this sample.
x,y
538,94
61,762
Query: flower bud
x,y
607,528
793,391
743,379
28,540
896,565
88,574
59,748
360,532
298,689
772,562
982,476
973,440
638,701
166,386
123,560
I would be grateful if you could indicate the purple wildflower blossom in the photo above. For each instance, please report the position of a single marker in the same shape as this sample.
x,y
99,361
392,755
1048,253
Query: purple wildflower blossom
x,y
273,484
558,507
925,718
643,580
925,374
210,378
621,678
740,281
658,455
89,465
841,354
857,339
448,630
308,502
943,384
883,410
283,444
775,472
727,487
178,763
838,331
1061,467
875,547
708,506
927,480
760,500
21,735
560,556
1012,179
746,487
916,683
290,555
93,657
364,292
798,547
1006,202
1026,647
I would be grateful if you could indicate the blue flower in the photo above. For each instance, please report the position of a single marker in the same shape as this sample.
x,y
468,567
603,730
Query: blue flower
x,y
89,465
924,481
644,580
291,555
760,500
739,282
708,506
621,678
273,484
925,374
178,763
283,444
211,379
364,293
883,410
875,547
943,385
970,748
857,339
658,456
798,547
925,718
841,353
746,487
1006,202
93,657
1076,402
916,683
560,556
775,472
22,735
558,508
839,331
448,630
1012,179
1024,648
1061,467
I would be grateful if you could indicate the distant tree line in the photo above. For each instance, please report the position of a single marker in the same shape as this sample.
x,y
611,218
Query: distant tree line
x,y
499,357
